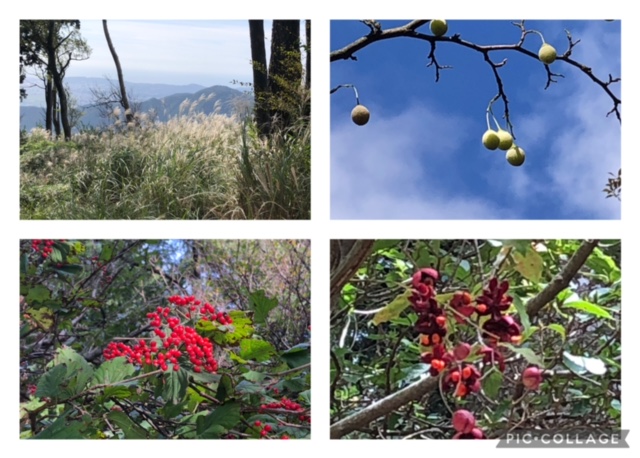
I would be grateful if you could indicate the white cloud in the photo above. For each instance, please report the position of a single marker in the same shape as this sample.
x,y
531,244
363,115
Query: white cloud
x,y
378,171
588,146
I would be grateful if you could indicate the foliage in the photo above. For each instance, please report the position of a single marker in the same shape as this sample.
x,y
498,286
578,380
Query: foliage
x,y
191,167
114,344
379,345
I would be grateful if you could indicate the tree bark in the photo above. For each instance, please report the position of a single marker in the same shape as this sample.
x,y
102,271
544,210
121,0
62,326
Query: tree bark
x,y
124,100
307,80
52,68
285,72
346,258
260,76
50,98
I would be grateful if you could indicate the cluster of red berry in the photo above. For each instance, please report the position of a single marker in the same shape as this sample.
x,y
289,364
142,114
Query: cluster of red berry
x,y
44,247
284,403
265,430
207,311
179,340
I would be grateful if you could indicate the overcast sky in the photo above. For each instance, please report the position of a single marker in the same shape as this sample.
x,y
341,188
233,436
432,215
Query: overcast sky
x,y
421,157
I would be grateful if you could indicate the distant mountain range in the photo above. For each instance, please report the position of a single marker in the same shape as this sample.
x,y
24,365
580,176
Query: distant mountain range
x,y
165,100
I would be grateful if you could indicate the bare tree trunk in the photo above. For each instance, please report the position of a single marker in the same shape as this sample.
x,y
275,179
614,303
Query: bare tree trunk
x,y
307,80
57,79
50,98
259,64
285,72
55,112
124,101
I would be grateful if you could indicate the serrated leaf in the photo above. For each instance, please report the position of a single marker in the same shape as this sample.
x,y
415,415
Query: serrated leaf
x,y
241,329
113,371
38,293
225,388
261,305
393,309
297,356
50,384
529,264
79,371
589,308
79,247
175,385
56,254
526,353
582,364
128,427
559,329
225,416
256,350
492,383
254,376
62,428
42,316
236,358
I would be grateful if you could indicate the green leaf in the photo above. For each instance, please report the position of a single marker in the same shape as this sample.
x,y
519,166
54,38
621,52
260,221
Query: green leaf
x,y
62,428
384,244
56,254
173,410
583,364
589,308
237,359
106,253
117,392
559,329
246,387
213,432
128,427
225,388
261,305
24,263
564,295
254,376
43,316
521,246
69,270
38,293
526,353
393,309
522,312
615,404
225,416
492,383
256,350
113,371
529,264
175,386
297,356
50,384
79,371
241,329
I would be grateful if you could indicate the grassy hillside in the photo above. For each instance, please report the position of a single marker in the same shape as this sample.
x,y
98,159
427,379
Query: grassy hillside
x,y
193,166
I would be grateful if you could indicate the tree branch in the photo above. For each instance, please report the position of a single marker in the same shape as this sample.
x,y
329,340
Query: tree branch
x,y
386,405
562,280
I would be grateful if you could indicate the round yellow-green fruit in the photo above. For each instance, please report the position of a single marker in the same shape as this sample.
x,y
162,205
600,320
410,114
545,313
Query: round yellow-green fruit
x,y
547,54
506,140
360,115
490,139
515,156
438,27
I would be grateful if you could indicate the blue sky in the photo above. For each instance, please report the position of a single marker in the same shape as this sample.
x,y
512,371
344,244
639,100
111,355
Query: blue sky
x,y
421,157
170,52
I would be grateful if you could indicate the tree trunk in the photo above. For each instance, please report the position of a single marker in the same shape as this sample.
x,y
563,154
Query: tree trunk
x,y
285,73
57,78
55,112
50,98
307,79
124,101
259,64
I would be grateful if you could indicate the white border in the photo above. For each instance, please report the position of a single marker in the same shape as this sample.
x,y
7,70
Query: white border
x,y
320,229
